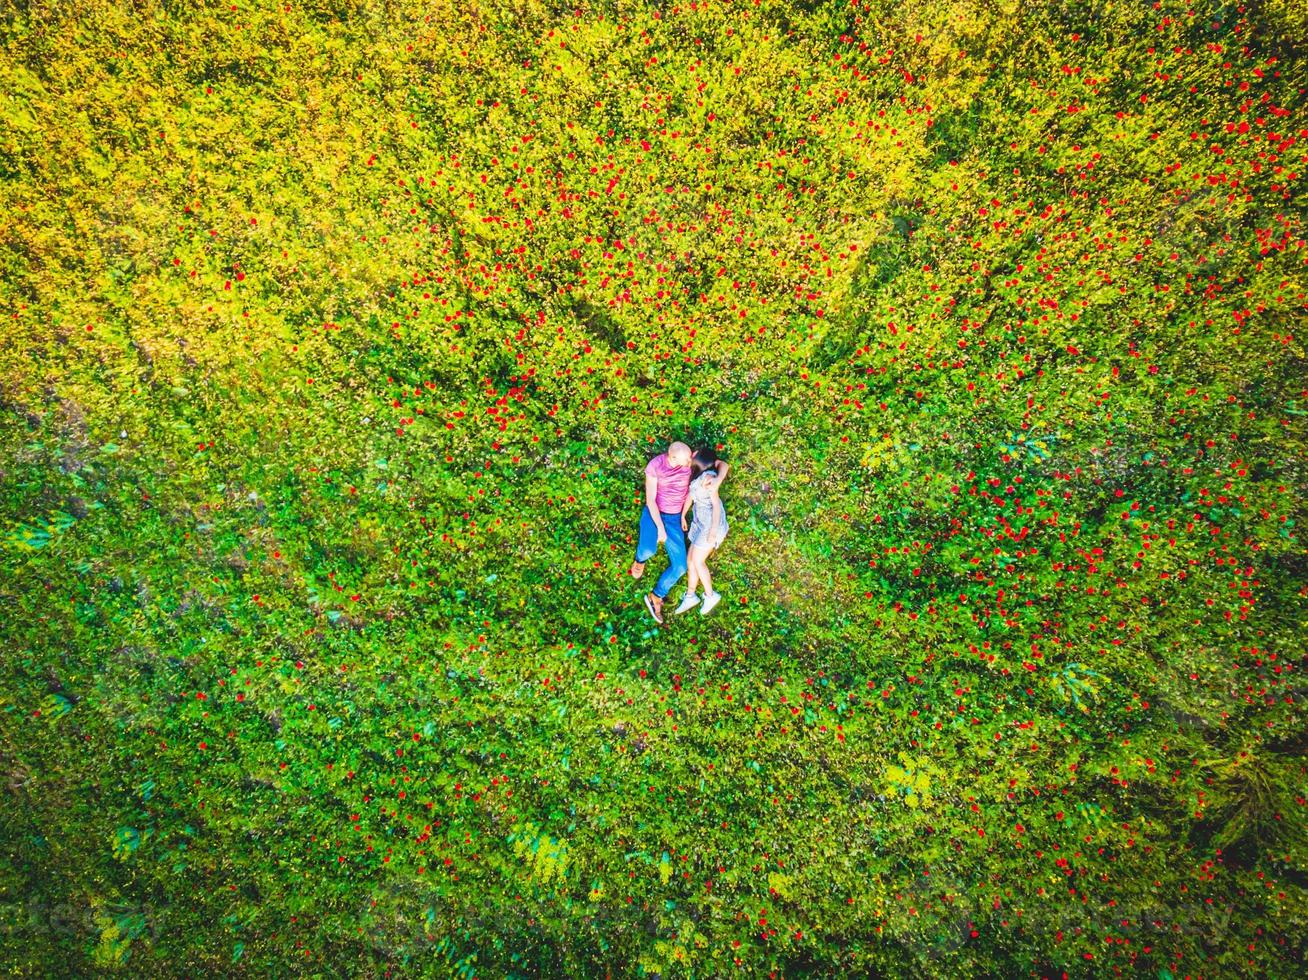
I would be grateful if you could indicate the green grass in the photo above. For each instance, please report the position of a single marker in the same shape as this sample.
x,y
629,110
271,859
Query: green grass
x,y
337,337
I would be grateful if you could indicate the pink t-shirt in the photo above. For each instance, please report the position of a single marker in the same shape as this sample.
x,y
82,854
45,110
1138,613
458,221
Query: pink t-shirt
x,y
674,484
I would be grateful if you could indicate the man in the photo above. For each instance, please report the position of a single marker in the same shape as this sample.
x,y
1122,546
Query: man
x,y
667,483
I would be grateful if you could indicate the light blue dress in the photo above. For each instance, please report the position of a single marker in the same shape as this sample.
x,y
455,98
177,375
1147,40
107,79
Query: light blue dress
x,y
701,535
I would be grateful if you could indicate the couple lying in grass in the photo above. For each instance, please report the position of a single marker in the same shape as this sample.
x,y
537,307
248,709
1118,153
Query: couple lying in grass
x,y
674,481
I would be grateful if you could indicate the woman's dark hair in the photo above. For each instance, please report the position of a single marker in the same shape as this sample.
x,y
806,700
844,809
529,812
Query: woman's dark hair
x,y
703,459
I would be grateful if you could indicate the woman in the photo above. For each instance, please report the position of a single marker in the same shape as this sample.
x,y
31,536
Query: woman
x,y
706,531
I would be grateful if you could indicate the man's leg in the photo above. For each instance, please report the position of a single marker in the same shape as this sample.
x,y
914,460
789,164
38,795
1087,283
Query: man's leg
x,y
676,548
647,542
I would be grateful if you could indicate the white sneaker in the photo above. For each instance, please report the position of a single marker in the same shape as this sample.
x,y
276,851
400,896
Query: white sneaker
x,y
710,601
689,602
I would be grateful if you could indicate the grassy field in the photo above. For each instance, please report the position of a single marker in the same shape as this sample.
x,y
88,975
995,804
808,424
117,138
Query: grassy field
x,y
336,337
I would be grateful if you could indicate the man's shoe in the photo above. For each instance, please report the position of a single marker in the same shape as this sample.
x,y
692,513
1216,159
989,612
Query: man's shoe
x,y
637,569
689,602
710,600
655,608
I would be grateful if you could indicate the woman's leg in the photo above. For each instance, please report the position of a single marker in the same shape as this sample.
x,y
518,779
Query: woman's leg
x,y
702,571
692,569
690,599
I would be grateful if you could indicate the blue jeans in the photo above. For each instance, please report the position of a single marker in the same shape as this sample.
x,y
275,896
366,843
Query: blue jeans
x,y
648,545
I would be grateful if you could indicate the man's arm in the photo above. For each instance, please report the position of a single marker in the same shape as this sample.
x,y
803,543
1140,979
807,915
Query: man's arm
x,y
722,467
651,492
686,510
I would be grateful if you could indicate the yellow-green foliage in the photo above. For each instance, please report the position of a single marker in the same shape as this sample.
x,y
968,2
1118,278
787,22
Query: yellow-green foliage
x,y
545,857
912,781
334,338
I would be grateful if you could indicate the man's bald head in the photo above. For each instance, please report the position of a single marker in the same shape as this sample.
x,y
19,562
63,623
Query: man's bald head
x,y
679,454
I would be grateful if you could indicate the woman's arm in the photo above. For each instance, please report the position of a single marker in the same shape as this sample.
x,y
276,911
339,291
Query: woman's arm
x,y
717,507
722,467
685,525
